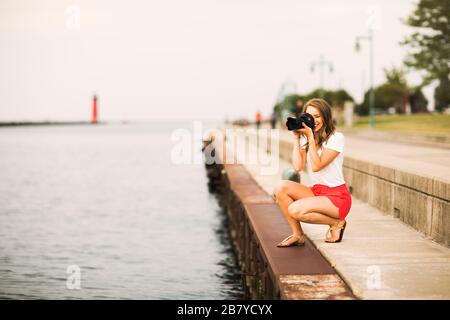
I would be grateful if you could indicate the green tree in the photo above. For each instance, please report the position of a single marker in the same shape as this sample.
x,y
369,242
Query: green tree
x,y
341,96
386,96
442,94
334,98
431,45
292,102
393,93
396,76
417,100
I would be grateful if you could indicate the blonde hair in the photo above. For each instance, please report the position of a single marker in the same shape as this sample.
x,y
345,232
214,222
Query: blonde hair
x,y
328,127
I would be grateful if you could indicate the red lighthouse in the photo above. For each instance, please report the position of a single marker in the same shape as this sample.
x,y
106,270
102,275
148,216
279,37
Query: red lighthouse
x,y
94,110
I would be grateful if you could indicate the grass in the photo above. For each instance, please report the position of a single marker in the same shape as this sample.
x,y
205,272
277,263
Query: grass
x,y
425,123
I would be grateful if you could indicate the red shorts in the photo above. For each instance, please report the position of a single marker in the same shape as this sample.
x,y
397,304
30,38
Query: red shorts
x,y
340,196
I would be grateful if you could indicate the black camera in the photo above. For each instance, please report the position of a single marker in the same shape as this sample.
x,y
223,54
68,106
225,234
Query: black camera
x,y
297,122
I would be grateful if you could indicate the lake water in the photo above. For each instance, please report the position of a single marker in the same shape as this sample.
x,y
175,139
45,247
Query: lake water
x,y
103,207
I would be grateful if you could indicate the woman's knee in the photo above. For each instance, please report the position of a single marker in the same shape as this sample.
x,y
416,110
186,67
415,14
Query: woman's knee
x,y
296,210
281,188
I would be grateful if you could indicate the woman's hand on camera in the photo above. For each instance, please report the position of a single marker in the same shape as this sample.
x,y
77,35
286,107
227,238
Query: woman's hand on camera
x,y
297,134
307,131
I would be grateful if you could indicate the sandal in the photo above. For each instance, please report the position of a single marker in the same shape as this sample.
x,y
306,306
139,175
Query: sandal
x,y
336,228
299,242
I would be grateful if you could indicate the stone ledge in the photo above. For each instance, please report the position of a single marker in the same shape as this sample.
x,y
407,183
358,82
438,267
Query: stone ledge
x,y
313,287
257,224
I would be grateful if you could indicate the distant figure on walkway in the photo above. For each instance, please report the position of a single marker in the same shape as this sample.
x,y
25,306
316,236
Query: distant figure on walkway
x,y
299,107
94,109
258,119
328,201
273,119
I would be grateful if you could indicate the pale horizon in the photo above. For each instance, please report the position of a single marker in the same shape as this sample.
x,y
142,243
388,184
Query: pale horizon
x,y
163,60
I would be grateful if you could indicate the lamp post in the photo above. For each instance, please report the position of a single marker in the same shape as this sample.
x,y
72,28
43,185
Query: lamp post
x,y
322,63
287,87
369,37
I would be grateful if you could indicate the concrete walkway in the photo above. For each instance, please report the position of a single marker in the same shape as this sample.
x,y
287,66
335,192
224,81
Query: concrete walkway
x,y
380,256
437,140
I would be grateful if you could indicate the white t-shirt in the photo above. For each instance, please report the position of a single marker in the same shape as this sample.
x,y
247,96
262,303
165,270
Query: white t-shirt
x,y
331,175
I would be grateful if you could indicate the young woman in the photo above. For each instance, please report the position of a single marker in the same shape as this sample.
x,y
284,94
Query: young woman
x,y
328,201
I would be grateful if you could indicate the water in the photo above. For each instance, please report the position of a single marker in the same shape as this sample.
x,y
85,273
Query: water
x,y
107,199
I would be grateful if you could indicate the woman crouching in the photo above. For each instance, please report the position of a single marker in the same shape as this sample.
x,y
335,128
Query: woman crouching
x,y
328,201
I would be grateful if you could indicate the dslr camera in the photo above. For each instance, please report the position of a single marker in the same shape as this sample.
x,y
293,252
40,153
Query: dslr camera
x,y
297,122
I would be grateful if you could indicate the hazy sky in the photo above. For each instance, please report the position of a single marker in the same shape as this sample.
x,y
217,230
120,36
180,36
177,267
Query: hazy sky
x,y
193,59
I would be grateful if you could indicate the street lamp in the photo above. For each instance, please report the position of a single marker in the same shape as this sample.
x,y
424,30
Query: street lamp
x,y
321,63
369,37
287,87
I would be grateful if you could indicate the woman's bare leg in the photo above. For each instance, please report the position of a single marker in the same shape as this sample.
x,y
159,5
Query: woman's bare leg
x,y
286,193
318,210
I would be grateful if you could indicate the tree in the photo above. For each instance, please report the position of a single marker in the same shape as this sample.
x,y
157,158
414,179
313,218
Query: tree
x,y
387,95
442,94
396,76
417,101
393,93
431,45
341,96
278,108
292,103
334,98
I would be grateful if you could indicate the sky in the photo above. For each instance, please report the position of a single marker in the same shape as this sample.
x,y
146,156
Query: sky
x,y
186,59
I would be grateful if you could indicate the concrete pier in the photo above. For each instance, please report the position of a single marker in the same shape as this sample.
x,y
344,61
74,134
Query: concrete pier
x,y
384,255
256,225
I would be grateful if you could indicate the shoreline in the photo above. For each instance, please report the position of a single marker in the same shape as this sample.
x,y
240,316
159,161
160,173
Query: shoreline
x,y
45,123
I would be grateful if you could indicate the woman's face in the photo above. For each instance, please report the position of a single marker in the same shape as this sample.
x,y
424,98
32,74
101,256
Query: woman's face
x,y
318,120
